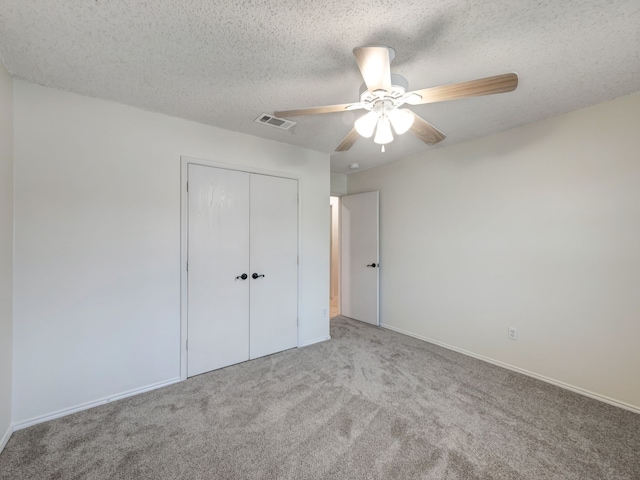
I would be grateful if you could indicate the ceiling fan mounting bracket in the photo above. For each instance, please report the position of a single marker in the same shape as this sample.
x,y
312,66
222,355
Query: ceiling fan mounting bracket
x,y
381,100
399,85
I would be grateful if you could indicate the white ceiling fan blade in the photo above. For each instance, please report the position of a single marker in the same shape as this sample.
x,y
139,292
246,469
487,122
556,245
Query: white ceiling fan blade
x,y
375,66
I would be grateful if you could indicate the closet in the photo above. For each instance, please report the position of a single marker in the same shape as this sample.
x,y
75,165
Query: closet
x,y
242,279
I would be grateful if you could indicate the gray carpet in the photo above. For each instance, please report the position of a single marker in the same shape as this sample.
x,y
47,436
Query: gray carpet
x,y
369,404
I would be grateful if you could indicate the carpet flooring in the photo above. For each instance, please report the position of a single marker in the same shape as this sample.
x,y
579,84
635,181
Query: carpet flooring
x,y
368,404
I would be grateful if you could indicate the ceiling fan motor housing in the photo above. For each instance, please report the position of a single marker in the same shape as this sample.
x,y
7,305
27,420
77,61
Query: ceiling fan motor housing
x,y
399,85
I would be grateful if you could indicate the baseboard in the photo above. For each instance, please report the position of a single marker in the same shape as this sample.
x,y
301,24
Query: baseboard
x,y
552,381
315,340
5,438
85,406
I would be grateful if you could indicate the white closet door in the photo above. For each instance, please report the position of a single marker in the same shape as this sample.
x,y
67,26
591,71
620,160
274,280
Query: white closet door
x,y
218,243
274,254
359,250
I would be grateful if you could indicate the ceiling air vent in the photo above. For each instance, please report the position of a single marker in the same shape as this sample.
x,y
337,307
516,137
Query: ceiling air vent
x,y
280,123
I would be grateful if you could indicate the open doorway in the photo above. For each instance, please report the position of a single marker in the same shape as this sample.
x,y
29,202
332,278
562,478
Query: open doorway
x,y
334,289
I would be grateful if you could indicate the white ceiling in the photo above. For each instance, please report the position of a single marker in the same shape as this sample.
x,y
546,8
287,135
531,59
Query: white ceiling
x,y
225,62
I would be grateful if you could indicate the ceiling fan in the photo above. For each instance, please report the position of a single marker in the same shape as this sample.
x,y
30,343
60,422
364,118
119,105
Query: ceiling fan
x,y
383,93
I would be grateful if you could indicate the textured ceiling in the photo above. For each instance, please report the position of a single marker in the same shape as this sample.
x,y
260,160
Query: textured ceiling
x,y
225,62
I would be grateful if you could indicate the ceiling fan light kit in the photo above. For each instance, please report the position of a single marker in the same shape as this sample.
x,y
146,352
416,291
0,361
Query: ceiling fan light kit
x,y
366,124
383,93
383,131
401,119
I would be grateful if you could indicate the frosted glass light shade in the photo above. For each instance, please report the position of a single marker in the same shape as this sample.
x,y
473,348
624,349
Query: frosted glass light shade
x,y
383,133
366,124
401,120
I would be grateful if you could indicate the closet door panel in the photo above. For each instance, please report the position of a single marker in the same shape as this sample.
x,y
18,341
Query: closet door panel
x,y
274,254
218,252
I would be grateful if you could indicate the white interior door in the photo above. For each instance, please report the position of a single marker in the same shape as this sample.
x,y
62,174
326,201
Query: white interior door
x,y
360,257
274,254
218,252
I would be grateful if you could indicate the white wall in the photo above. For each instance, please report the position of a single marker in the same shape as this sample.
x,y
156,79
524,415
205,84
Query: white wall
x,y
537,227
6,251
97,243
338,184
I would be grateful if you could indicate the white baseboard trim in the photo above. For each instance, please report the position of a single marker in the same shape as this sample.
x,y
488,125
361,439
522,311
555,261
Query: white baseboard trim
x,y
315,340
557,383
5,438
85,406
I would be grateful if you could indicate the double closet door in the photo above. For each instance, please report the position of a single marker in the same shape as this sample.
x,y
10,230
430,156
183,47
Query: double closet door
x,y
242,267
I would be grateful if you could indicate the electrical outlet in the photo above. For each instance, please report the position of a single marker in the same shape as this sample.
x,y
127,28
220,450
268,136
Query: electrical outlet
x,y
324,313
513,333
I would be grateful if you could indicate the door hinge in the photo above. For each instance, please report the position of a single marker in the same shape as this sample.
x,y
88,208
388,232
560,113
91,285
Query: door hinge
x,y
187,187
186,345
187,265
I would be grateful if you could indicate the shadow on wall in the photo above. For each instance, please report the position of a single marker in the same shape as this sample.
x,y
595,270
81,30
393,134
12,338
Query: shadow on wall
x,y
504,145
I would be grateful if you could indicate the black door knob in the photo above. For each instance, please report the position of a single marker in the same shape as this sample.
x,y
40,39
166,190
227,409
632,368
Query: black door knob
x,y
242,277
255,275
374,265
